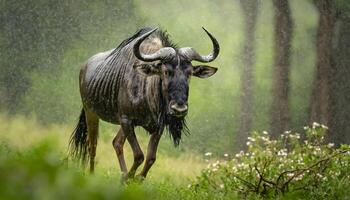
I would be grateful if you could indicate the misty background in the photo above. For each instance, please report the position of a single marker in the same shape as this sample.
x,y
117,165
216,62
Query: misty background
x,y
283,64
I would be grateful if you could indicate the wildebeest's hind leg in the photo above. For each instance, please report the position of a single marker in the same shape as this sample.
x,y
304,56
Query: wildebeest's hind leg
x,y
92,127
151,153
128,130
118,144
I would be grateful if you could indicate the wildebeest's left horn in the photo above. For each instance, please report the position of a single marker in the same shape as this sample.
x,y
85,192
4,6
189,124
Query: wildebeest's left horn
x,y
192,54
162,54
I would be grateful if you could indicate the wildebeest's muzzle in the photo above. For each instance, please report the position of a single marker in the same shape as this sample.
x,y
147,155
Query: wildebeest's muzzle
x,y
178,96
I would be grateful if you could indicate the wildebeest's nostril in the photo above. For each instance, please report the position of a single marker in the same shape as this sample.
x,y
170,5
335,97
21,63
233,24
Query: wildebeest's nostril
x,y
179,109
180,103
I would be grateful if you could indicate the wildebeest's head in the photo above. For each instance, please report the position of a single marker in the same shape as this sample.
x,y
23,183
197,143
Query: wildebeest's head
x,y
174,67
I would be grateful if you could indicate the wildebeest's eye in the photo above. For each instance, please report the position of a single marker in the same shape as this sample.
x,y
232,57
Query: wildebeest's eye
x,y
187,69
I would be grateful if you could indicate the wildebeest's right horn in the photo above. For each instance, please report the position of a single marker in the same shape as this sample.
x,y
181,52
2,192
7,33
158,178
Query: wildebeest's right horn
x,y
192,54
162,54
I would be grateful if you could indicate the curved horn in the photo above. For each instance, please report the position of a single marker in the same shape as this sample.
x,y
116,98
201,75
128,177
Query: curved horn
x,y
192,54
162,54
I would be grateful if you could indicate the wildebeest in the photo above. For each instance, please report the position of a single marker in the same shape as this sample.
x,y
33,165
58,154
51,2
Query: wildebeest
x,y
143,82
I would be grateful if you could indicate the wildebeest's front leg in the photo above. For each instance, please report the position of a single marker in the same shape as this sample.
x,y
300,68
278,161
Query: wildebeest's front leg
x,y
151,153
128,130
118,144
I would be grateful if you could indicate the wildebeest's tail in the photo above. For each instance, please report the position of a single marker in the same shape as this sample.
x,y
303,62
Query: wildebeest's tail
x,y
78,144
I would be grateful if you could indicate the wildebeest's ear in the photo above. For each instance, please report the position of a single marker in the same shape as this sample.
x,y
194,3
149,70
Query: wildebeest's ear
x,y
203,71
147,69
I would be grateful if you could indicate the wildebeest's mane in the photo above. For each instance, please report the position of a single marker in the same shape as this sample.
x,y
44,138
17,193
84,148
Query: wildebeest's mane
x,y
164,37
161,34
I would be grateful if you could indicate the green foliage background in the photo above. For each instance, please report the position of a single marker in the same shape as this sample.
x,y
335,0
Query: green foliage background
x,y
44,43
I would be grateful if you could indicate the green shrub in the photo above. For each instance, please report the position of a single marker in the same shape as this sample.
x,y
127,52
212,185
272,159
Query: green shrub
x,y
287,167
42,173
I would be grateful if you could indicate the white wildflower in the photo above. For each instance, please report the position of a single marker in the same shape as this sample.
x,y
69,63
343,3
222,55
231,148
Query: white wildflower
x,y
234,169
299,177
216,163
240,154
282,152
226,155
265,132
222,186
315,124
251,139
324,126
208,154
319,175
189,186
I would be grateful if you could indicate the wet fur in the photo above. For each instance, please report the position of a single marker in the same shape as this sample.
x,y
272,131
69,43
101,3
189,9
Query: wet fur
x,y
108,82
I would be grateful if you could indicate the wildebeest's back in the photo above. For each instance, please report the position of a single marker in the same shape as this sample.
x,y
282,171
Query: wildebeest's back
x,y
91,88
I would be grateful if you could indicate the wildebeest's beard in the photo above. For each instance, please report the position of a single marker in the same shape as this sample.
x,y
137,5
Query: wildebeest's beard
x,y
174,125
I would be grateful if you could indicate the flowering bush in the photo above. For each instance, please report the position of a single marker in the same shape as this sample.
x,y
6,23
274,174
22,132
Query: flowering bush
x,y
290,165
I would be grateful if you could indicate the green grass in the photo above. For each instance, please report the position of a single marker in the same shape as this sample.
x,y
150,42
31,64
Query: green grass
x,y
34,165
22,133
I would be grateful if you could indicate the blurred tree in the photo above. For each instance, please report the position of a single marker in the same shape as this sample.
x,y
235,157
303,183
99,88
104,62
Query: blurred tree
x,y
339,124
34,34
250,12
280,84
331,86
321,89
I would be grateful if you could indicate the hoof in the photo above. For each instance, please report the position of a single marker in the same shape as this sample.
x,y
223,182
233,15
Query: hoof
x,y
132,180
139,178
124,178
